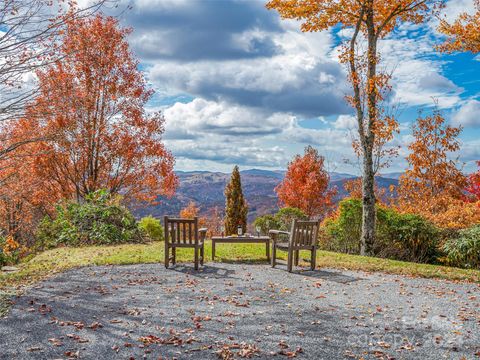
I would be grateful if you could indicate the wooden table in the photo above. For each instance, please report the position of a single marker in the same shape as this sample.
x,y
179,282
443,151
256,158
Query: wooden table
x,y
242,240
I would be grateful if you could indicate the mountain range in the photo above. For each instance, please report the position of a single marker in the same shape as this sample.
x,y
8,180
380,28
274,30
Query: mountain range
x,y
206,188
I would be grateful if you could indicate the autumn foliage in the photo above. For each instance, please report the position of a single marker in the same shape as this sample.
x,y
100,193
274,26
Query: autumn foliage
x,y
354,189
190,211
370,21
305,185
433,185
463,34
473,187
90,115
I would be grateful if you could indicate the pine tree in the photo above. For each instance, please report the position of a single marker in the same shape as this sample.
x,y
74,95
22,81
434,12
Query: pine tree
x,y
236,208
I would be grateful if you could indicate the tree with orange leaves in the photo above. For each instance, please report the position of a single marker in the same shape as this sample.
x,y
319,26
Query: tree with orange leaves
x,y
463,34
305,185
370,21
91,113
190,211
354,189
433,181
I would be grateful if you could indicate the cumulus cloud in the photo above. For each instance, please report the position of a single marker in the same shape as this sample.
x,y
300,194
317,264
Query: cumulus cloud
x,y
253,77
346,122
194,30
200,117
468,115
417,72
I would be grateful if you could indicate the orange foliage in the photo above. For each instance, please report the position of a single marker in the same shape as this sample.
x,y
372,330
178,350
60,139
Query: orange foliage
x,y
306,184
433,185
214,222
354,189
91,119
369,21
321,15
458,214
10,245
18,201
190,211
463,34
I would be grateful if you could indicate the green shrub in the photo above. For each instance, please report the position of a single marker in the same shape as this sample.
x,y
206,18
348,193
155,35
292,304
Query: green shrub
x,y
398,236
266,223
286,215
282,220
343,233
100,220
152,228
406,237
464,250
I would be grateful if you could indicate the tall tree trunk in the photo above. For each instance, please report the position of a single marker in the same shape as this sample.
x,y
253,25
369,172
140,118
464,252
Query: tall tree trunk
x,y
369,212
369,215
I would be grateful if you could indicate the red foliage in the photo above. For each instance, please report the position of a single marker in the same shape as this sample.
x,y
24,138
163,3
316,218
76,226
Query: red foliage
x,y
474,184
91,119
306,184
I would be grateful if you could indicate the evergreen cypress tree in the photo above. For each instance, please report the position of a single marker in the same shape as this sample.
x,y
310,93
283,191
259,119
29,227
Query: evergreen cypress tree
x,y
236,208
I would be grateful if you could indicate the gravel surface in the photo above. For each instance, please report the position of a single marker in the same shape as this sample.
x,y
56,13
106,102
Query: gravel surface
x,y
231,311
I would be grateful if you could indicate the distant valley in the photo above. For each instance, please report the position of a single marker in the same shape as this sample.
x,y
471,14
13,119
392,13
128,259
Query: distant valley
x,y
206,190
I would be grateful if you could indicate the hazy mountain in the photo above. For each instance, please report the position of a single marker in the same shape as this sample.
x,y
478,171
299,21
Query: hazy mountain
x,y
206,188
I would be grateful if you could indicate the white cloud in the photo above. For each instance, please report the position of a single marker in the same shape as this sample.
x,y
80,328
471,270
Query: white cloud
x,y
297,80
346,122
468,115
209,117
254,77
417,73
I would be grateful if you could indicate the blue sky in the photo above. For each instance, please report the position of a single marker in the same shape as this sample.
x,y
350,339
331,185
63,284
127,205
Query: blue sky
x,y
238,85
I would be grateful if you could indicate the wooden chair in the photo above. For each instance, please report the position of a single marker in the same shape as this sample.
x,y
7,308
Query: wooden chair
x,y
302,236
184,233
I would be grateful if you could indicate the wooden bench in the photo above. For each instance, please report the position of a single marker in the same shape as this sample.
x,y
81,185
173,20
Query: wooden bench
x,y
302,236
184,233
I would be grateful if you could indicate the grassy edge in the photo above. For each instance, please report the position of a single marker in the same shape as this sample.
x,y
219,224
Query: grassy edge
x,y
58,260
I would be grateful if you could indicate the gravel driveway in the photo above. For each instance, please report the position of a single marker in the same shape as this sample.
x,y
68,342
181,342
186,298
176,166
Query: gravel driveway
x,y
229,311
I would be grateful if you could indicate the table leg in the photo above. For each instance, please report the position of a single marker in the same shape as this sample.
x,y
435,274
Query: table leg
x,y
213,250
267,246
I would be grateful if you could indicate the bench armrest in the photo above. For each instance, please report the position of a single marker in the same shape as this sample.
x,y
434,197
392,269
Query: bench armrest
x,y
203,233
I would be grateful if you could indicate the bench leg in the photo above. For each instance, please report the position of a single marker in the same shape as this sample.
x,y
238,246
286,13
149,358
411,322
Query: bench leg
x,y
167,255
196,258
297,256
267,250
313,260
274,255
174,256
202,254
213,250
290,261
